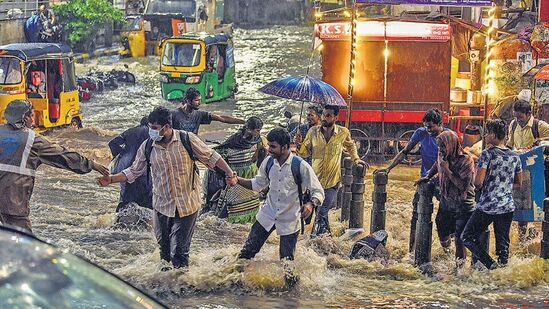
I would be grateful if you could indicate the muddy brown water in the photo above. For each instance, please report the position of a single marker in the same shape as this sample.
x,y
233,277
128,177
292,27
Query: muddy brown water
x,y
72,212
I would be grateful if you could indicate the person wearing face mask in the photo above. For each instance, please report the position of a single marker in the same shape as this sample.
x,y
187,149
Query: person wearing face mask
x,y
325,144
22,151
188,117
243,151
176,185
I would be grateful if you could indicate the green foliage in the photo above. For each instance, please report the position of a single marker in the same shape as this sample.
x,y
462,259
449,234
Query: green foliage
x,y
82,18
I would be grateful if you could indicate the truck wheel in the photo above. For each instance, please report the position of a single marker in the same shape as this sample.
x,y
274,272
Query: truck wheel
x,y
414,157
362,142
76,123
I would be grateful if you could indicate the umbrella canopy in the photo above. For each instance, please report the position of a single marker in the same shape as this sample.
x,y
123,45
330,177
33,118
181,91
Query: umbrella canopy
x,y
543,73
304,89
539,72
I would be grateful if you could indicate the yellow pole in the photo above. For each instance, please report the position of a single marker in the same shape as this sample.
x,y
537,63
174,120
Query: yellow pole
x,y
487,78
352,70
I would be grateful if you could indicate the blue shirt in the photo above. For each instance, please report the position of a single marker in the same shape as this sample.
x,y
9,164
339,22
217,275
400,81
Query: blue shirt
x,y
501,165
429,148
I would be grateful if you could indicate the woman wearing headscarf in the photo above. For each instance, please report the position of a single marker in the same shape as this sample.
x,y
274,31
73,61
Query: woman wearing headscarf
x,y
456,173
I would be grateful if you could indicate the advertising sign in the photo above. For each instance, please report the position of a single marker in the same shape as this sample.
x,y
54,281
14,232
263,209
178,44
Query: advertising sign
x,y
529,198
379,30
432,2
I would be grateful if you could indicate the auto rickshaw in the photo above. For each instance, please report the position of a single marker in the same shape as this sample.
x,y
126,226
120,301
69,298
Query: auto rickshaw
x,y
42,73
202,61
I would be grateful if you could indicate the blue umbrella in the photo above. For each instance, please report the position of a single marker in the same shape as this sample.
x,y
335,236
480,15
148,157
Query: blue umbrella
x,y
305,89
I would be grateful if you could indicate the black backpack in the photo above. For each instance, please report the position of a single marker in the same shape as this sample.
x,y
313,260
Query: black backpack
x,y
304,197
185,140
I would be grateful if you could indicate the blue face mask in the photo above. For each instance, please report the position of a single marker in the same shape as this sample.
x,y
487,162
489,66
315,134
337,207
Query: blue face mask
x,y
155,134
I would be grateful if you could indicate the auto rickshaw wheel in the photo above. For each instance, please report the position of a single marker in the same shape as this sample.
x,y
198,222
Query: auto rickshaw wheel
x,y
414,157
76,123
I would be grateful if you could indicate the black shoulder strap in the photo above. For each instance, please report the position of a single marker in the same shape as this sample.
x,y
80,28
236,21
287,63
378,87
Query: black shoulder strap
x,y
269,165
296,172
148,150
186,141
535,129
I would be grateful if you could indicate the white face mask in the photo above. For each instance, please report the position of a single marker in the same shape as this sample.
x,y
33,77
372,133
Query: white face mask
x,y
155,134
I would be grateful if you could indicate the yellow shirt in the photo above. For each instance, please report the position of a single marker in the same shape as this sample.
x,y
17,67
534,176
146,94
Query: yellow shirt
x,y
327,155
523,136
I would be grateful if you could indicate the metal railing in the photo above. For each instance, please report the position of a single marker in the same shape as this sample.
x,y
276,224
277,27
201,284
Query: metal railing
x,y
12,9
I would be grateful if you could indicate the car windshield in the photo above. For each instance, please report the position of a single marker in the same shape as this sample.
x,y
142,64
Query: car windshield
x,y
132,23
182,54
10,70
34,274
184,7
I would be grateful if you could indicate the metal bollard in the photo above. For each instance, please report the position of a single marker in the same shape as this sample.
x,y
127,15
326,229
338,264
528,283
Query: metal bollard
x,y
545,230
356,213
546,176
346,181
379,197
424,228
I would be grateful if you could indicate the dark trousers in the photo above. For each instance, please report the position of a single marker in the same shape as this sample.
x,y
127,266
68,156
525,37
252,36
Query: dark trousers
x,y
257,237
322,224
174,237
477,225
448,223
22,222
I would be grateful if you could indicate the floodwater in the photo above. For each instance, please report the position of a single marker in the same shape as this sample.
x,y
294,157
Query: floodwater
x,y
73,212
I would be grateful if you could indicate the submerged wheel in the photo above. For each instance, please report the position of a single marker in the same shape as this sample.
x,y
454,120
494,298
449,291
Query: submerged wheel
x,y
76,123
362,142
414,157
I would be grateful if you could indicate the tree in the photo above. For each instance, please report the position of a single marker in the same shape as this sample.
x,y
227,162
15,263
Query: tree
x,y
81,19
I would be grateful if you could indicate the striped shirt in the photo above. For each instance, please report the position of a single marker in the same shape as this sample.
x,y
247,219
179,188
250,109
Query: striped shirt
x,y
171,173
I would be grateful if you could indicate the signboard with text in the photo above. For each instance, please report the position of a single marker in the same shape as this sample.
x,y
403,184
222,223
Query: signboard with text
x,y
379,30
431,2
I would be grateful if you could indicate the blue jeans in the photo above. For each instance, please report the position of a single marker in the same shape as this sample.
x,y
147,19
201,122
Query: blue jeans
x,y
322,225
257,237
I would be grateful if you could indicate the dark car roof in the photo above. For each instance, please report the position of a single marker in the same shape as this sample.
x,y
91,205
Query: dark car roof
x,y
207,38
34,51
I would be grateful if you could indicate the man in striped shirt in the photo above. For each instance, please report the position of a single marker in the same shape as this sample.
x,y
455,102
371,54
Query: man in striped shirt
x,y
176,191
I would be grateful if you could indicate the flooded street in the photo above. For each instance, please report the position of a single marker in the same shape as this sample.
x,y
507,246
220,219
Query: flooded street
x,y
72,212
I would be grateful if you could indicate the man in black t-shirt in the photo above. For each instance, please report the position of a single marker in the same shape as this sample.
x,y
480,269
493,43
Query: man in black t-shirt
x,y
189,118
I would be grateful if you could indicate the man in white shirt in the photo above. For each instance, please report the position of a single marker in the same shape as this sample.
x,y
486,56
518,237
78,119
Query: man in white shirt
x,y
282,210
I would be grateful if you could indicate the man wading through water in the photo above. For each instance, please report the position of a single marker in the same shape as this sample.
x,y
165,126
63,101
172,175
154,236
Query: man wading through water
x,y
176,183
21,152
426,136
325,144
499,170
282,210
188,117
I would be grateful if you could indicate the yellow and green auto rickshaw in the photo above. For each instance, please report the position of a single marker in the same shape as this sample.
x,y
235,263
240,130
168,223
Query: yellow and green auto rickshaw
x,y
42,73
202,61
